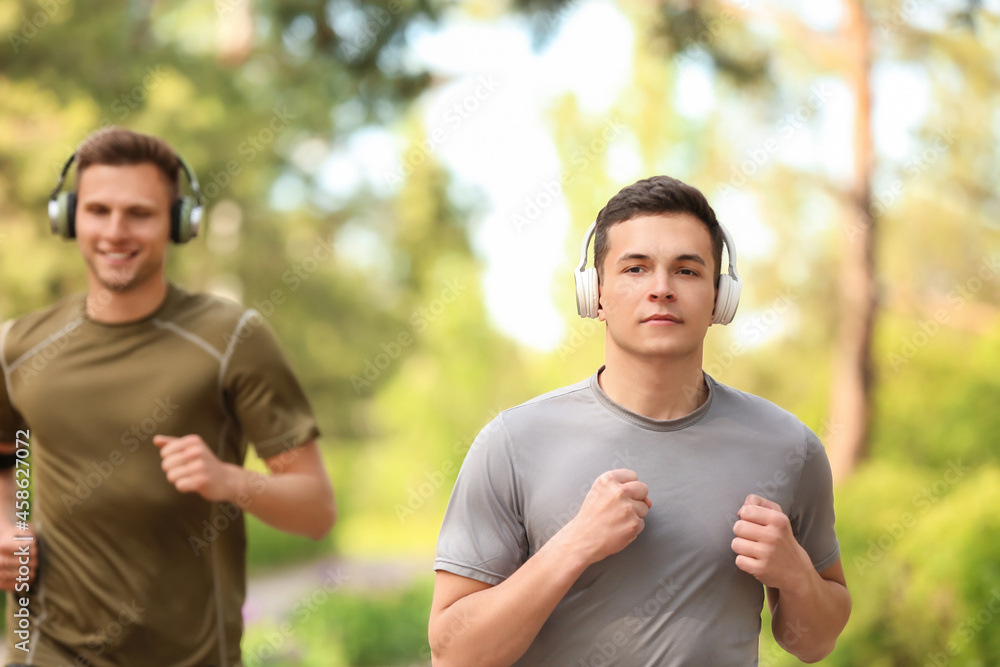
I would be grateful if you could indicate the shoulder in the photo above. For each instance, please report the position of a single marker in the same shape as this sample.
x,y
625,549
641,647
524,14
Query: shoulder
x,y
743,406
20,335
218,321
553,406
203,307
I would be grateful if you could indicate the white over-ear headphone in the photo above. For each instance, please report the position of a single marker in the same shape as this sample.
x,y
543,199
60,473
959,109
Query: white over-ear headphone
x,y
726,301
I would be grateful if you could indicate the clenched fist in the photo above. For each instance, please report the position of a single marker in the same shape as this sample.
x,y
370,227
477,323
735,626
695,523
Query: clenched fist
x,y
766,547
611,517
192,467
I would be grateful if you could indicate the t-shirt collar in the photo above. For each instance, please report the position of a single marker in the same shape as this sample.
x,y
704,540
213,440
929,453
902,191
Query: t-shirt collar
x,y
645,422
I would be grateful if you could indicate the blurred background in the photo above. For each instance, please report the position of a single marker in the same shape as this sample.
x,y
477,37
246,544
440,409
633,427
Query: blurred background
x,y
401,186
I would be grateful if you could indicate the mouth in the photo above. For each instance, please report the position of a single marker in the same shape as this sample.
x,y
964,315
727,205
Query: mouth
x,y
118,257
662,319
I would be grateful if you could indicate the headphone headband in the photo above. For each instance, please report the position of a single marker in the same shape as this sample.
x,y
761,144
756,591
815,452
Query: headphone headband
x,y
585,246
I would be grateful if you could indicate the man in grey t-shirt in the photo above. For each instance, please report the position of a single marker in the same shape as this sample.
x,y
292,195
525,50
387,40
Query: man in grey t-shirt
x,y
638,517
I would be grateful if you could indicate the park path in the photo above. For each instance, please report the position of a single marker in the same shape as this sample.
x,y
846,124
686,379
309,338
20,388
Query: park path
x,y
274,593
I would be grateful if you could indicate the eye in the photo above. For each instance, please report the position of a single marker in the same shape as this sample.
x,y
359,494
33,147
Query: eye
x,y
634,269
687,272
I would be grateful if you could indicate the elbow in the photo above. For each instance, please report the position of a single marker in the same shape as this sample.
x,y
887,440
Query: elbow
x,y
442,645
325,516
325,521
439,656
813,654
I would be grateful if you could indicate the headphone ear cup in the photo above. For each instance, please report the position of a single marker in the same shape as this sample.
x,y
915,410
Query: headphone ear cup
x,y
64,221
727,300
182,227
586,293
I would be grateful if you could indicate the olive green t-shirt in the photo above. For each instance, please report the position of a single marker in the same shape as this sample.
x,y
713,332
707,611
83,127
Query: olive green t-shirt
x,y
133,572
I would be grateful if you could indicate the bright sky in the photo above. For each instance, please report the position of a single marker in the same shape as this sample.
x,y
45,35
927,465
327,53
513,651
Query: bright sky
x,y
487,122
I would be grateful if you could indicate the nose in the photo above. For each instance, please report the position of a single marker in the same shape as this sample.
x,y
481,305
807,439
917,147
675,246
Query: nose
x,y
116,229
662,287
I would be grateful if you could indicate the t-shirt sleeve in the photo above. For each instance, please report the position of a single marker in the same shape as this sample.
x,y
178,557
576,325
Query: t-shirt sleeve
x,y
10,419
812,516
483,536
261,389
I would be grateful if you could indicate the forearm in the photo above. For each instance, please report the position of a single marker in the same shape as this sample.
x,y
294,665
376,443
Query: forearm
x,y
293,502
7,490
495,626
807,622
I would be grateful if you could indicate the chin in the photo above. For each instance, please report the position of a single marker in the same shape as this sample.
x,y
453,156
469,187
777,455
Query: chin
x,y
117,284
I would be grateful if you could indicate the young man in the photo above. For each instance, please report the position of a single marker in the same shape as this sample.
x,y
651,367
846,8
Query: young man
x,y
137,401
637,517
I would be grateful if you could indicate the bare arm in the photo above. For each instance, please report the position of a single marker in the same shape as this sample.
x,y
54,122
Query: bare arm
x,y
809,609
473,623
10,549
807,621
296,497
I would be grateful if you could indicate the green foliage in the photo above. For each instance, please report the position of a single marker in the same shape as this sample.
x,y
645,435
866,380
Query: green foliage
x,y
347,629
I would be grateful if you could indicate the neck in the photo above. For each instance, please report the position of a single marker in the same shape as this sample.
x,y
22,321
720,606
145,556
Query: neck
x,y
666,388
109,307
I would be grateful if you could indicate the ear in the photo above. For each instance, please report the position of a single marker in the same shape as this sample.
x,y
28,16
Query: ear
x,y
600,307
715,304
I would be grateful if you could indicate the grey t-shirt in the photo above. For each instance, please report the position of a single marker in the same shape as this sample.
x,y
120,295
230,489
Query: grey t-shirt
x,y
674,596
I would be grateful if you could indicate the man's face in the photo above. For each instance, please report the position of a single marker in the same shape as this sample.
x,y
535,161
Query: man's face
x,y
123,224
658,287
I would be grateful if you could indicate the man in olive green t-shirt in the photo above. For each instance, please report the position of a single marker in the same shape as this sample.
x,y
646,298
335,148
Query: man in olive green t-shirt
x,y
137,402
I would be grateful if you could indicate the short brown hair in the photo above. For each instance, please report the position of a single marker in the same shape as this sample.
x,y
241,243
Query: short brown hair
x,y
118,146
654,196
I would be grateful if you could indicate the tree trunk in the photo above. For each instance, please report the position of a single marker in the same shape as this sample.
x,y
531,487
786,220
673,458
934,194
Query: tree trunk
x,y
853,372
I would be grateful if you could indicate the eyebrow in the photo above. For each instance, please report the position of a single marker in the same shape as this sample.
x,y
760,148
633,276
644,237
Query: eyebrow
x,y
131,206
687,257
